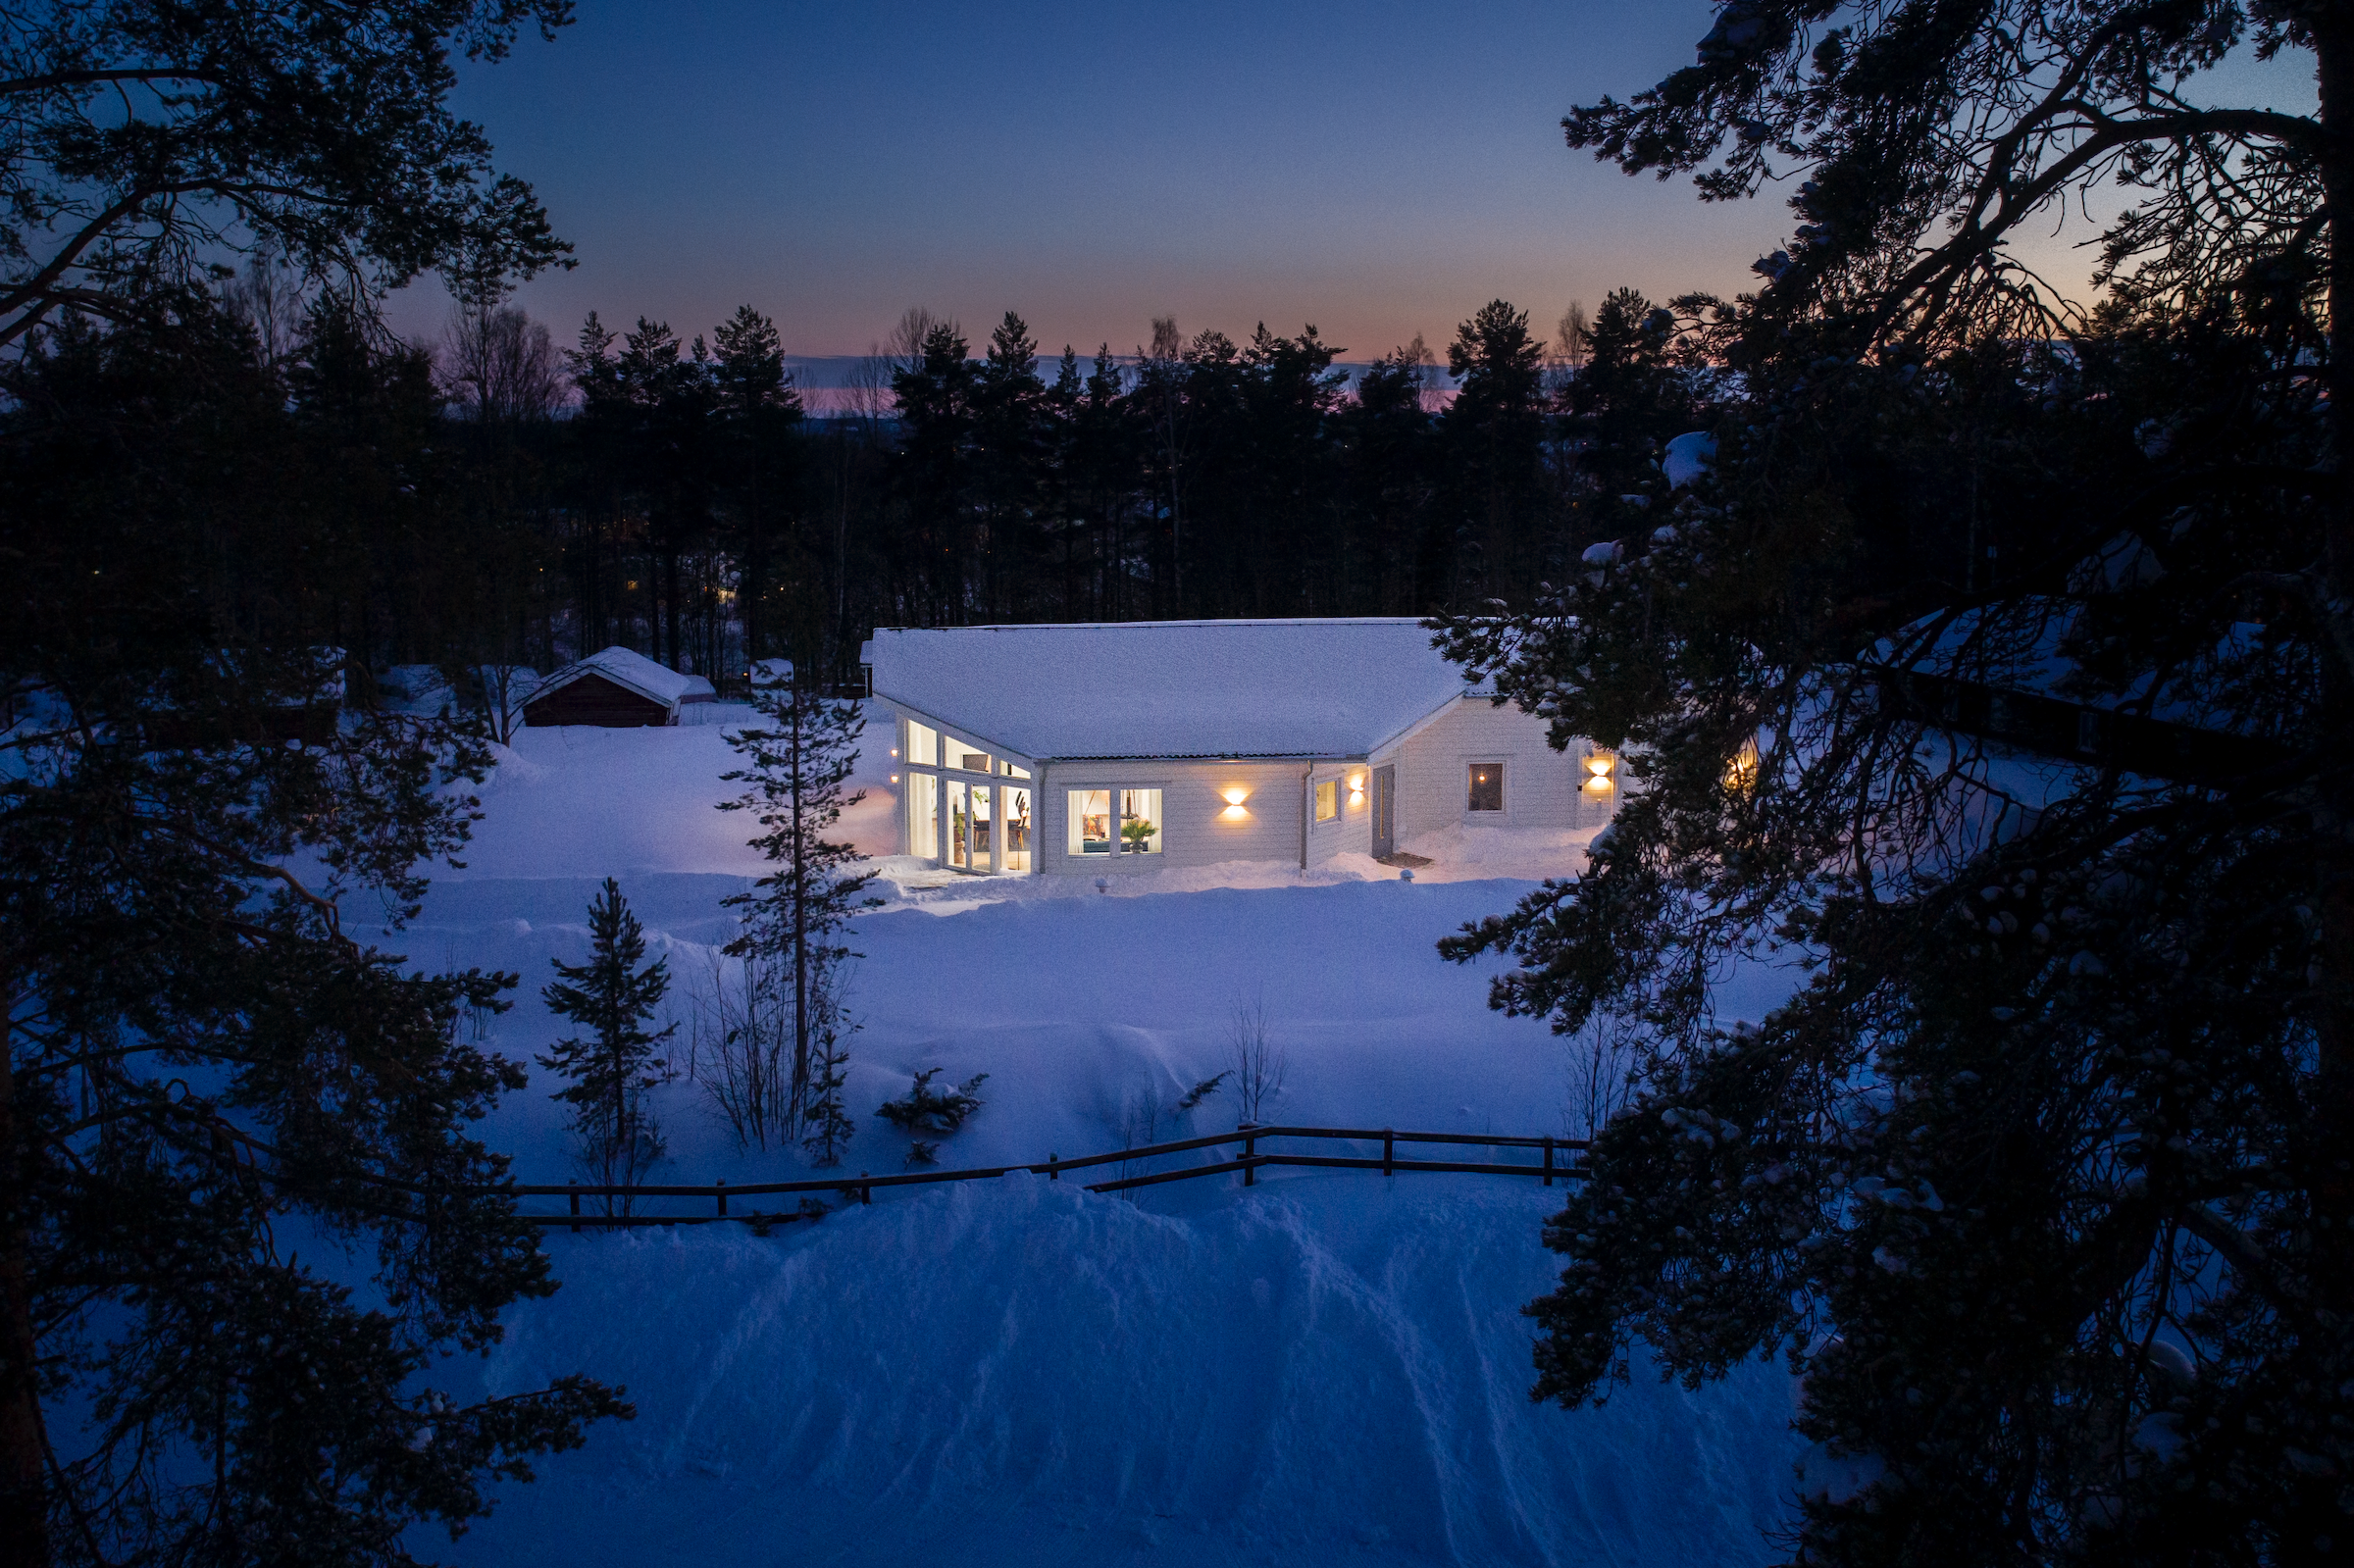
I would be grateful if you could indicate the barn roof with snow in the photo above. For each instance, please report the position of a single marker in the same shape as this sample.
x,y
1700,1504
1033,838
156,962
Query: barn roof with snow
x,y
1171,688
614,686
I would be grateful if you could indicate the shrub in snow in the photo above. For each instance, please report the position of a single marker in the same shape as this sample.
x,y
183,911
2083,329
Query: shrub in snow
x,y
1258,1062
1202,1090
925,1109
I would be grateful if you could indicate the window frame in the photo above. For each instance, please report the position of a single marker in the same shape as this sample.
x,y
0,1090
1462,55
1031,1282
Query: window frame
x,y
1503,789
1001,776
1118,854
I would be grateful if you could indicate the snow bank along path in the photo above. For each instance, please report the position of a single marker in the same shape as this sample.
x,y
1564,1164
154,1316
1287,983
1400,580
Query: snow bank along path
x,y
1328,1367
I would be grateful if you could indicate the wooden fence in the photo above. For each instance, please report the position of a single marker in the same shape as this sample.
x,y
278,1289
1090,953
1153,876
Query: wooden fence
x,y
1553,1162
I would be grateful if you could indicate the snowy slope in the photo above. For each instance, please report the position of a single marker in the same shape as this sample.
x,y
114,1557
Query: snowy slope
x,y
1019,1372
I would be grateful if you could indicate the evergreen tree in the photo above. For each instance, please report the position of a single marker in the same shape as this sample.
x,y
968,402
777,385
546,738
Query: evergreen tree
x,y
1628,399
205,1067
933,471
2040,1177
759,408
797,915
320,133
615,1062
1494,435
1400,555
1009,457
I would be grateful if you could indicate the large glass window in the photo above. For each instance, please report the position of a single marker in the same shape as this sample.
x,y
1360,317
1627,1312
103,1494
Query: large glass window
x,y
1328,800
1015,856
969,761
959,803
923,746
923,815
1092,826
1088,818
1487,786
1140,822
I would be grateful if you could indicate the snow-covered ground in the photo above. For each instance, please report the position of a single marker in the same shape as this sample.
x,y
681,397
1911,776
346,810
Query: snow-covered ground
x,y
1326,1366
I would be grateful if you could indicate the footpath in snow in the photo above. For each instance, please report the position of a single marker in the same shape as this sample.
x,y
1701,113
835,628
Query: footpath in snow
x,y
1327,1366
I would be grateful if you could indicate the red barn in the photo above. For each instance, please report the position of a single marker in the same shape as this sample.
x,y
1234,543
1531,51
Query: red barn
x,y
614,690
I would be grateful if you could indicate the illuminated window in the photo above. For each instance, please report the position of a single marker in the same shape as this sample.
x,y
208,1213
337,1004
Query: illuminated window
x,y
1092,826
923,744
969,761
1089,821
923,815
1487,786
1016,854
1328,800
1140,822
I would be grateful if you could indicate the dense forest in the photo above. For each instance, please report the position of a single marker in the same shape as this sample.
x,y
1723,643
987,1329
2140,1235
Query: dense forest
x,y
500,499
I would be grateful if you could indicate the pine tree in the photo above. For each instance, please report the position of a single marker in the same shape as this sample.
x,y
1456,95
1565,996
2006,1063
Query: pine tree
x,y
1493,435
206,1067
615,1062
799,914
2040,1177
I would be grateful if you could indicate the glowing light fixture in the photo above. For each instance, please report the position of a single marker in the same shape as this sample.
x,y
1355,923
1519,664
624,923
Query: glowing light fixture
x,y
1599,766
895,777
1357,786
1235,796
1741,773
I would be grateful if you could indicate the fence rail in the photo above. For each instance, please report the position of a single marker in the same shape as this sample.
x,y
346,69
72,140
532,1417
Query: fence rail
x,y
1553,1165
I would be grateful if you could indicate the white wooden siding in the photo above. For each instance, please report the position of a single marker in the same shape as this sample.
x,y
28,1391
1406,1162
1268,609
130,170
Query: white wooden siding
x,y
1352,831
1195,830
1540,784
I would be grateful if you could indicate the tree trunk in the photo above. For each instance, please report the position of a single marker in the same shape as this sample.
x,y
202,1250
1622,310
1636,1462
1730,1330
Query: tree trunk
x,y
670,587
799,871
24,1494
2334,48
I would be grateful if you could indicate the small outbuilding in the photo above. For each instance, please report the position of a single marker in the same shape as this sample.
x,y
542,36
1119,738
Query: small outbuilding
x,y
1137,745
615,689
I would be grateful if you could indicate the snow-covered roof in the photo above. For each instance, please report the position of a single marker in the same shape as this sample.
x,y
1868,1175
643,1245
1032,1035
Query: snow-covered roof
x,y
1170,688
632,671
2032,649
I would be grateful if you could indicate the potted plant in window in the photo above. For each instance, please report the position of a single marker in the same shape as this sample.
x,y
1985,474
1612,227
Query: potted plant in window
x,y
1137,833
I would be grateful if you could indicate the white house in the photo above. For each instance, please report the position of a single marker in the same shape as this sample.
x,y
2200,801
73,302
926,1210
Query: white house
x,y
1137,745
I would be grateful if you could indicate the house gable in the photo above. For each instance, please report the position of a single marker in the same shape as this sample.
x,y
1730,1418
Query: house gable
x,y
589,698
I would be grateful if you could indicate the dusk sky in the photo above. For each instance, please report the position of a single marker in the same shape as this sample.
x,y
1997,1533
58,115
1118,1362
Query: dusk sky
x,y
1380,170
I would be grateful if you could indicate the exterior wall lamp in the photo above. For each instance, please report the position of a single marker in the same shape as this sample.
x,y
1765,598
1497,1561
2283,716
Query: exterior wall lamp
x,y
1234,795
1599,767
1741,773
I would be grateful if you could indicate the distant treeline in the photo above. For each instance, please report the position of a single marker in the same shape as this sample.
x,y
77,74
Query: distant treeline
x,y
494,498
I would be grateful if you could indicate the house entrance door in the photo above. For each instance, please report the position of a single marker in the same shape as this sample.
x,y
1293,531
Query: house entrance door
x,y
1385,817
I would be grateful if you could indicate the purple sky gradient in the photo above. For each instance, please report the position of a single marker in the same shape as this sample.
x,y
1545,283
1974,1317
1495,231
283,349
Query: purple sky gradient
x,y
1379,170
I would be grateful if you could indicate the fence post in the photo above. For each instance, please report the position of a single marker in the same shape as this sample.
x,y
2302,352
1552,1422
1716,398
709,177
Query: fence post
x,y
1549,1160
1389,1152
575,1208
722,1191
1250,1148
